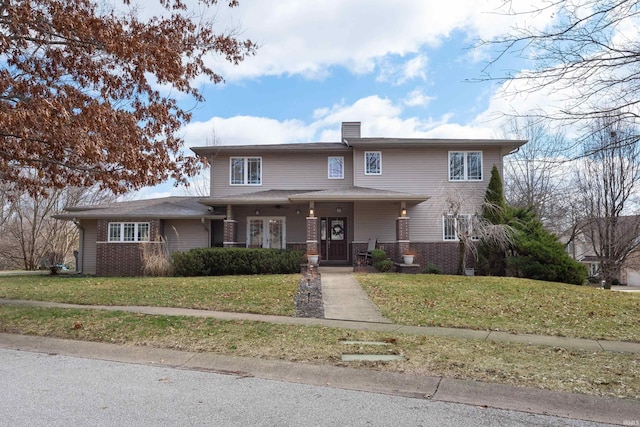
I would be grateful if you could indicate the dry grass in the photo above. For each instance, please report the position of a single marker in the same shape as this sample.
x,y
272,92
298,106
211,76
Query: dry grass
x,y
594,373
156,259
505,304
265,294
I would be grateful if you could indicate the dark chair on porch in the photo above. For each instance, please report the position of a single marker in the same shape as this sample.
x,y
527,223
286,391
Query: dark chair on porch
x,y
365,256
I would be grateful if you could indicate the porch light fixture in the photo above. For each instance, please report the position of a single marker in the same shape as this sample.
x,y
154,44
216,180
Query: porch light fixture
x,y
311,212
297,211
257,211
338,209
404,212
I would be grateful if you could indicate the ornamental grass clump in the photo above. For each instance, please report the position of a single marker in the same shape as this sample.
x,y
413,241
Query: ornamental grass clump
x,y
156,260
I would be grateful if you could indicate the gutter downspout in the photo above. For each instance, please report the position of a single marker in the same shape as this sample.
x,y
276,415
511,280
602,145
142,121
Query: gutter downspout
x,y
80,263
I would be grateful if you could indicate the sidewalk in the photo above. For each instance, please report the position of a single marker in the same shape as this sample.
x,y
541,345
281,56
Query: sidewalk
x,y
562,342
344,301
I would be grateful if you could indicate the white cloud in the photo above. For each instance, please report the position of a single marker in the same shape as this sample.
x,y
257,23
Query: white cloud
x,y
379,117
397,74
308,38
245,130
417,98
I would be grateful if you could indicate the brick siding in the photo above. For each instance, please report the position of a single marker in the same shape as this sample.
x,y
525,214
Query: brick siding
x,y
121,259
444,255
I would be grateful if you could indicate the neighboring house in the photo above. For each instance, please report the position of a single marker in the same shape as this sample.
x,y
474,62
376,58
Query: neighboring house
x,y
333,197
582,244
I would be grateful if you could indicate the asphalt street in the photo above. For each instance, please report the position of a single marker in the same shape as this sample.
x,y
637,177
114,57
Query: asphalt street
x,y
40,389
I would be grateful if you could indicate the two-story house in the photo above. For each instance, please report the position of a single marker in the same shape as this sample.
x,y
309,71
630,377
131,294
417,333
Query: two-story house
x,y
331,196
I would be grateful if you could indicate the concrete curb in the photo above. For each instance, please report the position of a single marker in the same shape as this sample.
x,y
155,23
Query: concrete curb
x,y
574,406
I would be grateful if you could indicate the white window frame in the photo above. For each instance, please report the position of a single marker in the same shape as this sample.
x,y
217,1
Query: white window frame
x,y
465,166
138,234
455,238
245,170
366,163
331,170
266,242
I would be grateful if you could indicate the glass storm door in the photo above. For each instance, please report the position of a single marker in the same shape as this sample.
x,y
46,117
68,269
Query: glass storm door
x,y
266,232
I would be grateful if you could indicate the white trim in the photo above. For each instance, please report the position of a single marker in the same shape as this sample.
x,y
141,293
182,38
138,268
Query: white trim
x,y
329,167
136,232
265,225
465,166
455,227
245,171
379,153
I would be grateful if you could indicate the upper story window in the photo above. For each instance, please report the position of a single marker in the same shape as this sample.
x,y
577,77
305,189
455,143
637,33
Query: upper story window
x,y
465,165
336,167
246,171
373,163
128,232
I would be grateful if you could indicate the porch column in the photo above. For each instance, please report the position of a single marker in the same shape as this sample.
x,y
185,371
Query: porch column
x,y
312,234
230,230
402,235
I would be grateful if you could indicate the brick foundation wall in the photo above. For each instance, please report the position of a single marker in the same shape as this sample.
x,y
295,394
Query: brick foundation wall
x,y
121,259
442,254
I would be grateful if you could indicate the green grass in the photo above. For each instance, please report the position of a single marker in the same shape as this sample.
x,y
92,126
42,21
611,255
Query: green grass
x,y
267,294
594,373
487,303
505,304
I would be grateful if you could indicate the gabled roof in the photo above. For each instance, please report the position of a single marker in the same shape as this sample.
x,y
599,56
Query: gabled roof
x,y
283,197
162,208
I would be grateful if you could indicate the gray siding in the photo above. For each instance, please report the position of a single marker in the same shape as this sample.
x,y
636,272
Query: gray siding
x,y
417,170
283,171
376,221
185,234
424,171
89,246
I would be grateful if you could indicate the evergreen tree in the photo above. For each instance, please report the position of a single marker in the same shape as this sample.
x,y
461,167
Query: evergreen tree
x,y
537,253
494,205
491,257
534,253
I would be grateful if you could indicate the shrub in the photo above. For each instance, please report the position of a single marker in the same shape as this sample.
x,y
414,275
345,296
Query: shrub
x,y
383,265
432,268
378,255
236,261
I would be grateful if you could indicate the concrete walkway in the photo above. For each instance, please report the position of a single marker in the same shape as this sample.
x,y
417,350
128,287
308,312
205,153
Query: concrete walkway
x,y
347,306
344,299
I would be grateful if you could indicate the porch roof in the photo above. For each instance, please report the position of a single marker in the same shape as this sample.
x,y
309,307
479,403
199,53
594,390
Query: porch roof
x,y
161,208
346,194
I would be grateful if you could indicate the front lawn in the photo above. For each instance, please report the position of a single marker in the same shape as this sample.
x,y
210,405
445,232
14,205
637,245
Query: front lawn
x,y
266,294
505,304
488,303
475,302
596,373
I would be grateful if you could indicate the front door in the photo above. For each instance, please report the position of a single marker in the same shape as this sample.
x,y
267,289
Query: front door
x,y
334,244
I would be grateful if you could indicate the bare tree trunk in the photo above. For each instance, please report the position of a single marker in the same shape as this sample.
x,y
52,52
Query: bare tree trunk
x,y
607,182
30,235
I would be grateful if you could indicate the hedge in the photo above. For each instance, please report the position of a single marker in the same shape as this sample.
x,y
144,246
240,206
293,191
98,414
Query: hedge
x,y
236,261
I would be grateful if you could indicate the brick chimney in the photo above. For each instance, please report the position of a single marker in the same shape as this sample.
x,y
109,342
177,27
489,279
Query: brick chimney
x,y
350,130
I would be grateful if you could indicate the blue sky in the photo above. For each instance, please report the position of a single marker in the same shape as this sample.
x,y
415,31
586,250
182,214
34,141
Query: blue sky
x,y
399,67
